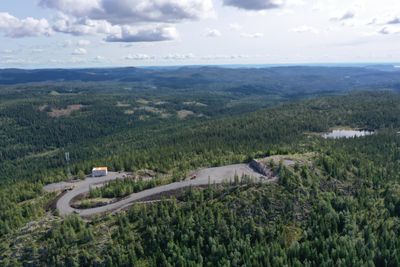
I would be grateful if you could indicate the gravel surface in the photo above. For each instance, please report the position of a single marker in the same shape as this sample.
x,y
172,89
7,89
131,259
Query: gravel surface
x,y
203,177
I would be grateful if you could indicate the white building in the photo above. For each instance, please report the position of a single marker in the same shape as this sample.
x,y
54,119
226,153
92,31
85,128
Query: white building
x,y
99,171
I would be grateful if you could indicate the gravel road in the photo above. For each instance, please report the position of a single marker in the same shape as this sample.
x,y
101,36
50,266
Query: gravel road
x,y
203,177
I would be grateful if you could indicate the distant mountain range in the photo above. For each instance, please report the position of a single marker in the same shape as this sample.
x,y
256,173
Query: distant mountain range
x,y
288,79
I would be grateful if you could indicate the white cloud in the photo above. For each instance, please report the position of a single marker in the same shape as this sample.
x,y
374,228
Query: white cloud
x,y
79,60
65,43
131,34
255,4
79,51
133,11
384,19
235,27
37,50
213,33
139,57
15,61
75,7
350,14
7,57
395,20
384,30
295,3
228,57
114,33
179,56
305,29
389,30
124,20
79,27
252,35
83,43
99,58
7,51
17,28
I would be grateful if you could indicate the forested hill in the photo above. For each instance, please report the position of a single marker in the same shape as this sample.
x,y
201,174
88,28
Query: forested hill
x,y
340,207
336,204
281,80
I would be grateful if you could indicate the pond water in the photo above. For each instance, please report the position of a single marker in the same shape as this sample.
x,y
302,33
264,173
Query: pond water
x,y
336,134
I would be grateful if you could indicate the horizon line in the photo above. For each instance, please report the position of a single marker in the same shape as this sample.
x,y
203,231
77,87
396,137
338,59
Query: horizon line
x,y
237,65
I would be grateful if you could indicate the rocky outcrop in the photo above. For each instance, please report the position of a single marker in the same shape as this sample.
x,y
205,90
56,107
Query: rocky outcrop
x,y
261,168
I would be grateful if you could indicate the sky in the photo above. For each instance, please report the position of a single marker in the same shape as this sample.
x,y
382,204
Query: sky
x,y
99,33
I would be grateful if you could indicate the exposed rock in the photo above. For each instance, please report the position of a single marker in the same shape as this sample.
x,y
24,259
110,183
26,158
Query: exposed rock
x,y
261,168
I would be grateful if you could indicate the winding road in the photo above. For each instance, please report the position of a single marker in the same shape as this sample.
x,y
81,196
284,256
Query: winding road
x,y
203,177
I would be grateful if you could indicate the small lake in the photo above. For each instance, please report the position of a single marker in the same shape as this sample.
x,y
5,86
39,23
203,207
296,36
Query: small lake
x,y
336,134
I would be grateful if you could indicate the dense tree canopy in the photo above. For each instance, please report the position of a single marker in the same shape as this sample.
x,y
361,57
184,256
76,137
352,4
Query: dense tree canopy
x,y
340,207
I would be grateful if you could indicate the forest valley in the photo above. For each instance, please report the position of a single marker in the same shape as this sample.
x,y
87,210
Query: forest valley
x,y
337,205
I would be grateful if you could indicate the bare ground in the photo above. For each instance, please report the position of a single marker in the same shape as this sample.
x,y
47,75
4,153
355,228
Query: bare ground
x,y
56,113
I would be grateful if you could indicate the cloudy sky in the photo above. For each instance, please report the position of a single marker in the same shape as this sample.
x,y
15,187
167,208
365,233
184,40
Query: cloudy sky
x,y
80,33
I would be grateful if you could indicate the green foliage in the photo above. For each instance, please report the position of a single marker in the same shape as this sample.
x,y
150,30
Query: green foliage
x,y
342,209
125,187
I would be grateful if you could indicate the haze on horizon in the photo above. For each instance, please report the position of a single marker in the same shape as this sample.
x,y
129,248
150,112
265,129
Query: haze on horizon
x,y
96,33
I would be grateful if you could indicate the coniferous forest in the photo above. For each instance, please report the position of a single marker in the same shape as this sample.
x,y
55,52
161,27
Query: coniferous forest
x,y
338,205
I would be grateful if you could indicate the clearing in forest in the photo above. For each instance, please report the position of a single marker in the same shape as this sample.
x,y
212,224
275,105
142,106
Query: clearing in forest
x,y
56,113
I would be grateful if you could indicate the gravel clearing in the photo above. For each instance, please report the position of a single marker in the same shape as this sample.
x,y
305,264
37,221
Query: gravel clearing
x,y
202,177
